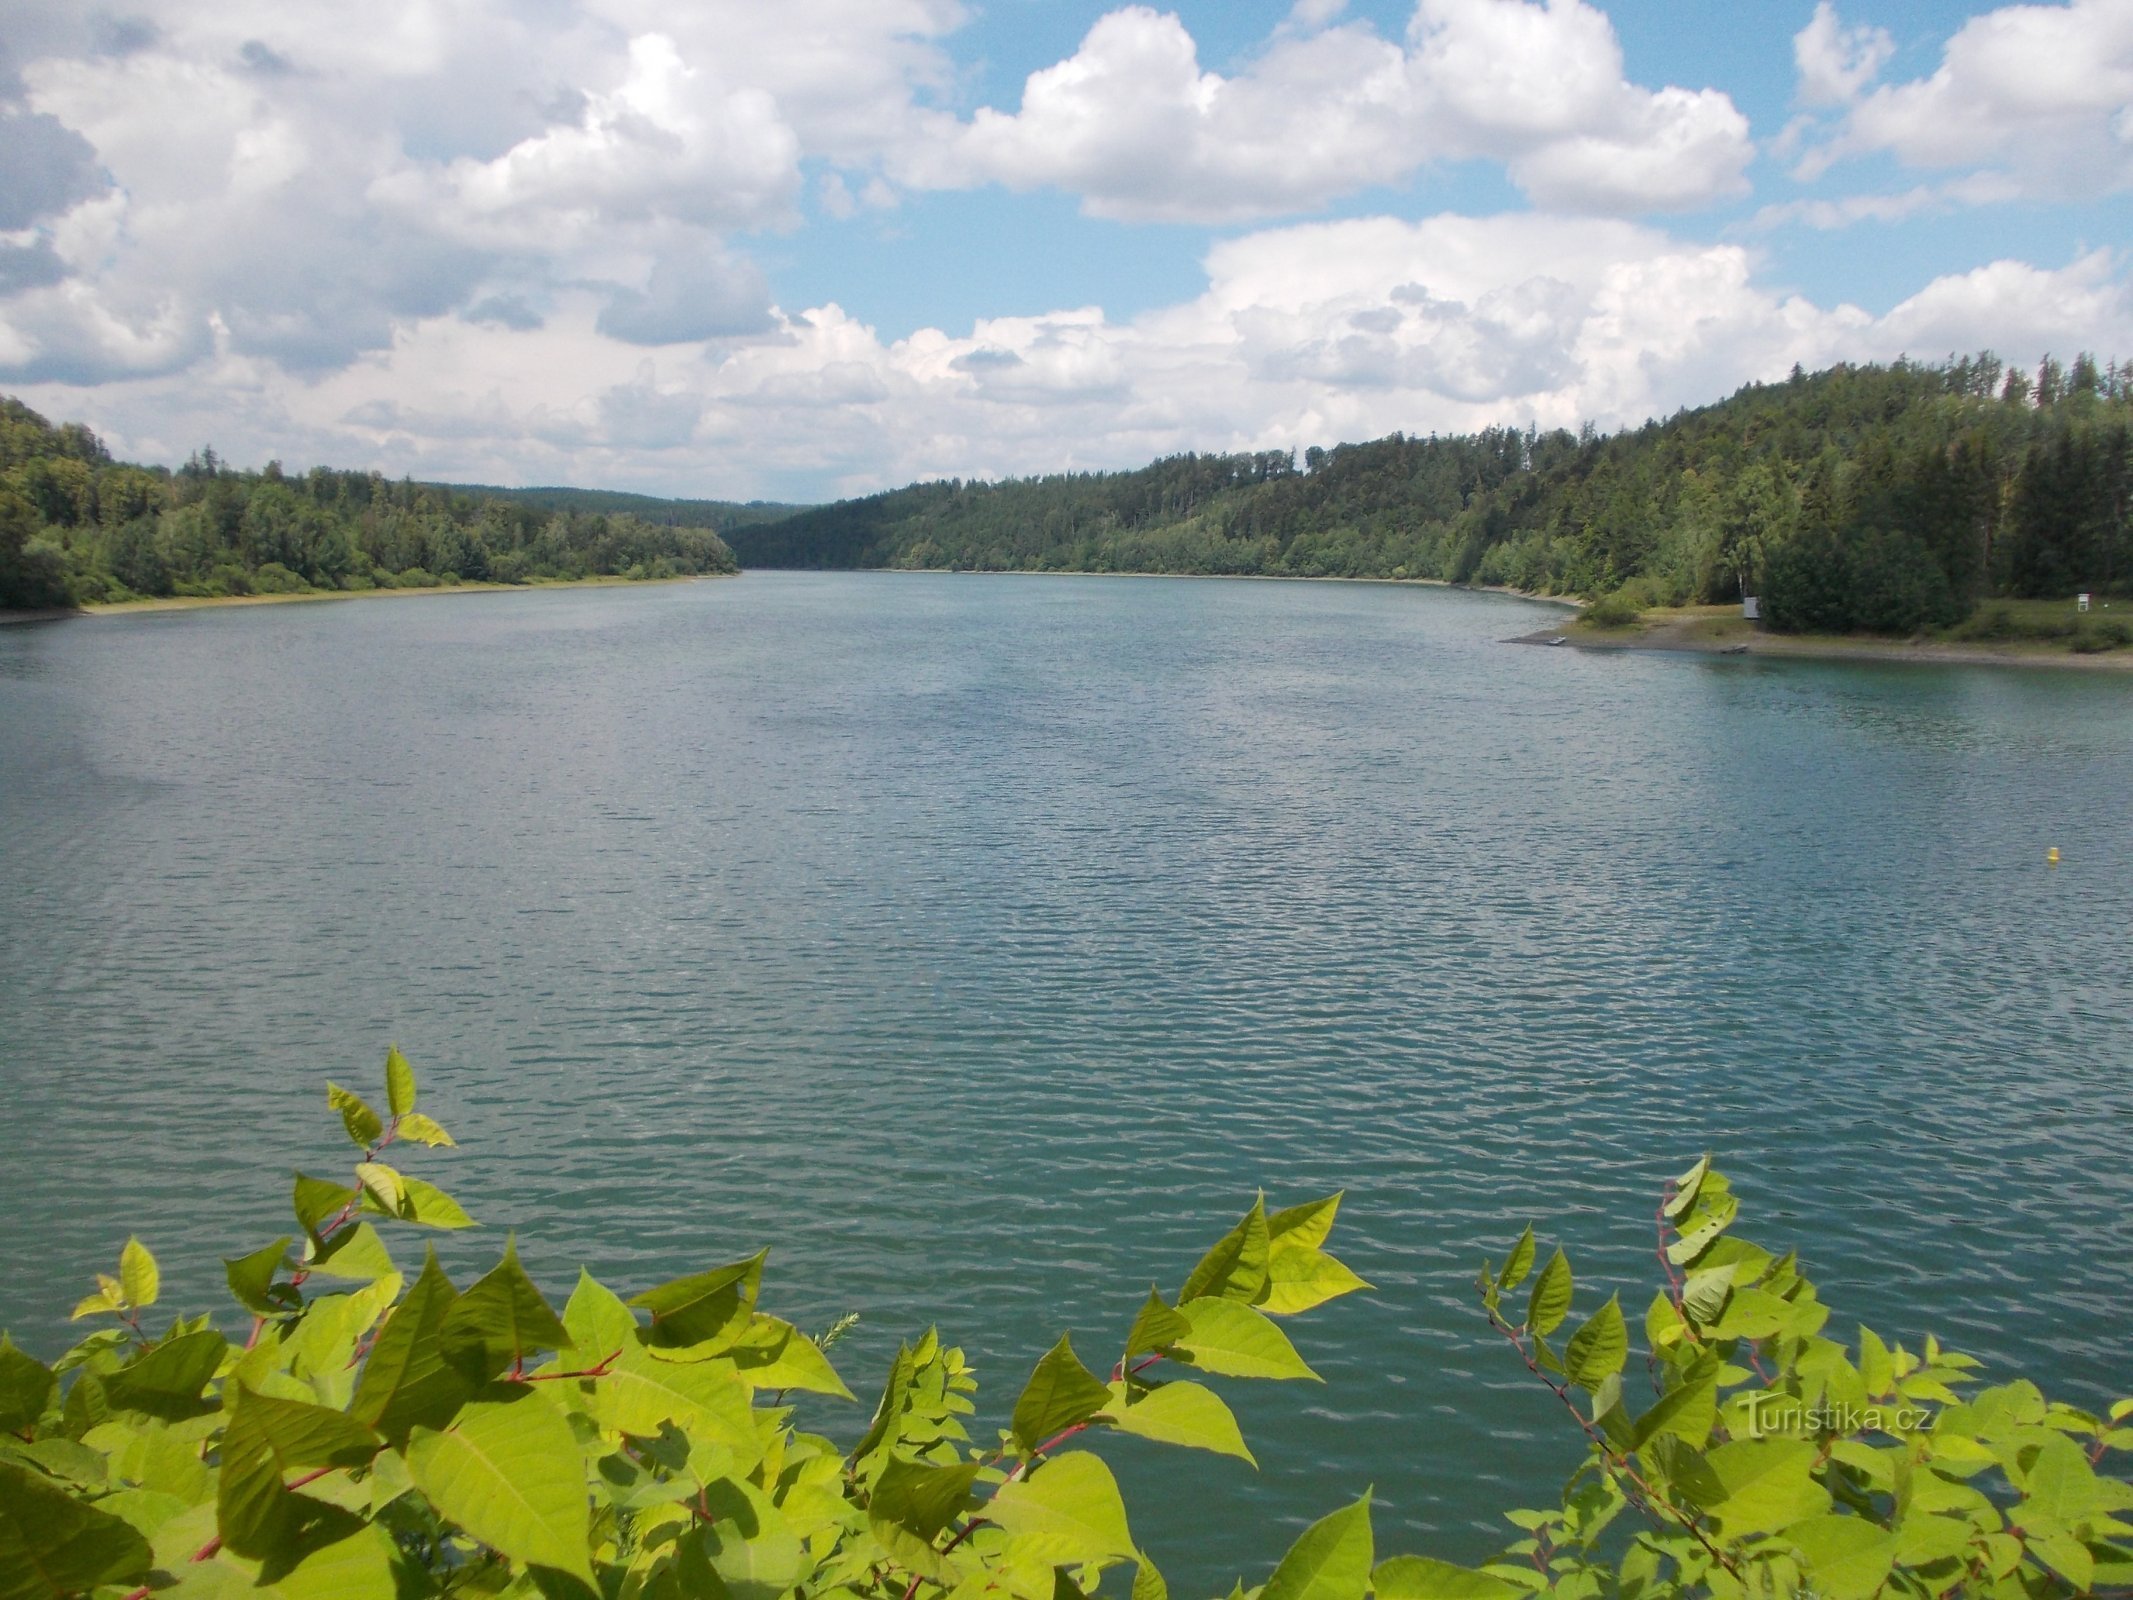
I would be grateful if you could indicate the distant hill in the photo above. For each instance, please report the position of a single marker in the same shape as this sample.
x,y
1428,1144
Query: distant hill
x,y
717,515
1885,498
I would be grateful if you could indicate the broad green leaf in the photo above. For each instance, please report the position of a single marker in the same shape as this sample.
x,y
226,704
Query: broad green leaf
x,y
251,1280
26,1386
1306,1226
109,1297
361,1122
1846,1557
358,1567
1061,1392
1923,1539
509,1473
1236,1268
1071,1504
2060,1484
922,1499
399,1082
1549,1301
53,1545
1518,1263
419,1129
384,1190
1330,1560
1189,1414
1703,1294
1235,1340
773,1354
1767,1485
317,1202
139,1279
1299,1278
1155,1327
357,1253
705,1399
406,1380
427,1206
1687,1411
600,1325
166,1381
1876,1365
500,1321
255,1512
751,1547
1598,1349
704,1306
1420,1578
2065,1555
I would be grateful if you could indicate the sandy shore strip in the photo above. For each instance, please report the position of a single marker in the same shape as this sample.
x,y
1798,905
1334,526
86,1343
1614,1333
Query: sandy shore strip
x,y
120,608
1722,631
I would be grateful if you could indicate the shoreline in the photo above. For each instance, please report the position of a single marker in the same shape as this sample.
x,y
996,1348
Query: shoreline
x,y
1722,631
187,602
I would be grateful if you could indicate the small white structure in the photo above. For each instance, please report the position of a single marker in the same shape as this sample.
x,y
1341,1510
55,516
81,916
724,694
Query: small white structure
x,y
1751,607
2081,602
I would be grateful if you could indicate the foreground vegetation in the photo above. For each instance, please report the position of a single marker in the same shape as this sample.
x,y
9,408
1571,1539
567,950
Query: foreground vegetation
x,y
1869,498
376,1439
77,527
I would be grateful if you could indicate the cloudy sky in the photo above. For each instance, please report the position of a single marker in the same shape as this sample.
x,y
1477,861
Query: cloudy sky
x,y
796,248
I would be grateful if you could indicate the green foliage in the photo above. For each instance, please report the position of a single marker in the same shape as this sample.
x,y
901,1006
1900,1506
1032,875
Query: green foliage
x,y
1860,498
375,1439
77,527
1616,610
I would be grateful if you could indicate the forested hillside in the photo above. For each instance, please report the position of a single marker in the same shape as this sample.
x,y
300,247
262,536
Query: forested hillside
x,y
78,527
720,516
1869,497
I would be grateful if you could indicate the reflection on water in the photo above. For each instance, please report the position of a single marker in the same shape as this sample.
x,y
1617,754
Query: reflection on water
x,y
983,943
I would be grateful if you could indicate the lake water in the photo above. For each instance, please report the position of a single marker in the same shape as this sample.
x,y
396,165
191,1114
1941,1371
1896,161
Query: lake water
x,y
983,943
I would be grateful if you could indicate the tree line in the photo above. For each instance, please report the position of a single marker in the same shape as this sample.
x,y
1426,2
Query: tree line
x,y
77,527
1872,497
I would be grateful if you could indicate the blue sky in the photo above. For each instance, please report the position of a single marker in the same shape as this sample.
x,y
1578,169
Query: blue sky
x,y
735,250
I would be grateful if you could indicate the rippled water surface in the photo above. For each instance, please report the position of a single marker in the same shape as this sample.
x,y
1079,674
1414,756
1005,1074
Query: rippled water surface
x,y
983,943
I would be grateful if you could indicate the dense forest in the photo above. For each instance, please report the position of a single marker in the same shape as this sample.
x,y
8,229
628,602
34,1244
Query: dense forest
x,y
720,516
1879,498
77,527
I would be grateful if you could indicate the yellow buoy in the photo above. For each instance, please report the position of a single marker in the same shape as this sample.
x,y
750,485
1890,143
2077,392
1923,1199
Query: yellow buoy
x,y
2051,856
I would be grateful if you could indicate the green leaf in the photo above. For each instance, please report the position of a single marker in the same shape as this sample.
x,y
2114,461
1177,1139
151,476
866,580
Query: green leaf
x,y
166,1381
1598,1349
355,1252
1235,1340
1299,1278
500,1321
1306,1226
600,1325
1549,1301
705,1399
1420,1578
256,1514
1768,1485
1330,1560
252,1284
922,1499
752,1549
139,1278
773,1354
427,1206
1148,1583
53,1545
1189,1414
510,1474
361,1122
1703,1294
399,1082
109,1297
358,1567
1687,1411
700,1308
1060,1393
316,1202
419,1129
1686,1188
1847,1558
407,1381
26,1386
1070,1506
384,1191
1518,1263
1155,1327
1236,1268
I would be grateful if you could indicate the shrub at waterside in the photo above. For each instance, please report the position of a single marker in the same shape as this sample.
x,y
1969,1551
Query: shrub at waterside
x,y
373,1438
